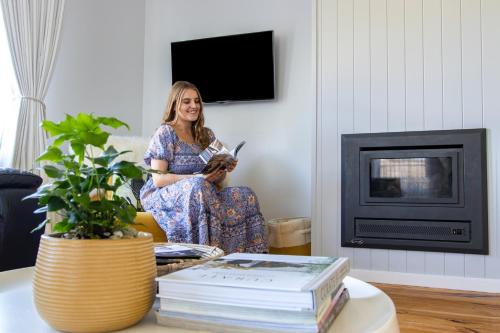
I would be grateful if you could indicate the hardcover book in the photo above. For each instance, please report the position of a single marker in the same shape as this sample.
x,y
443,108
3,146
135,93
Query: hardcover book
x,y
295,283
225,324
170,305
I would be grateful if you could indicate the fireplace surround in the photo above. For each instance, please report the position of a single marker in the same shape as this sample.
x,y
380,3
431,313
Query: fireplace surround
x,y
423,190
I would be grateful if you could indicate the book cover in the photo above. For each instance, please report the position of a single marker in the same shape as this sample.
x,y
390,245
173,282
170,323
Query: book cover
x,y
217,156
258,280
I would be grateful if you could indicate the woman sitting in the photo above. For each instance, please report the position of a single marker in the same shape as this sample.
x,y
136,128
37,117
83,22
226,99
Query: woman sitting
x,y
189,207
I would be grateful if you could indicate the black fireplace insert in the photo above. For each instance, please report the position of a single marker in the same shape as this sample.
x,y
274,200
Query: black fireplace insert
x,y
416,191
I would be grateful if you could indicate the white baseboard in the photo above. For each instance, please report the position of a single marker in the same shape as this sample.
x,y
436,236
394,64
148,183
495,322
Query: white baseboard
x,y
424,280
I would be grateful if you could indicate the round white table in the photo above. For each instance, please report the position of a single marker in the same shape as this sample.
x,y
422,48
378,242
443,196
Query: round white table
x,y
368,310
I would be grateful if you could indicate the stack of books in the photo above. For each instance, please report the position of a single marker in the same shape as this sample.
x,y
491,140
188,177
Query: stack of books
x,y
245,292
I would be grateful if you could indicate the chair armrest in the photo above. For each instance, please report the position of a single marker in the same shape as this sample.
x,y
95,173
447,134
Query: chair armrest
x,y
146,222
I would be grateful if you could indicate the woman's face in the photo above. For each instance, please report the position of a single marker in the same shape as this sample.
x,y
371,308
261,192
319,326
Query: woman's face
x,y
190,107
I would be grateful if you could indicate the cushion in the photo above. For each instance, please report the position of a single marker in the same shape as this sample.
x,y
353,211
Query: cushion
x,y
13,178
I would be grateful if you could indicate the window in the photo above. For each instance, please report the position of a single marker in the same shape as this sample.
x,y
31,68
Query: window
x,y
9,100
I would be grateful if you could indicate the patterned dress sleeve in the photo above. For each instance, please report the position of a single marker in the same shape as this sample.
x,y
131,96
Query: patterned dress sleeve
x,y
161,146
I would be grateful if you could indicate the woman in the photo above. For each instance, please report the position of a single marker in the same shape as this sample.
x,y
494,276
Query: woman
x,y
189,207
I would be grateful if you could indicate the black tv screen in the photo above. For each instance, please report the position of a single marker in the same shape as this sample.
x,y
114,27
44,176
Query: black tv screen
x,y
227,68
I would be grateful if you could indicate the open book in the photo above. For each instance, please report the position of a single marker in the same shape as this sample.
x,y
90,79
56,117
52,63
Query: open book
x,y
216,156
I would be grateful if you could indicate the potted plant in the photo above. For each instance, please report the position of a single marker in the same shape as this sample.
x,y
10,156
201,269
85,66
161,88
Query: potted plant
x,y
95,273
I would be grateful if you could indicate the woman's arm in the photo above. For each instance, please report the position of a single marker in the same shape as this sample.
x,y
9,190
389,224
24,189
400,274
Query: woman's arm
x,y
165,179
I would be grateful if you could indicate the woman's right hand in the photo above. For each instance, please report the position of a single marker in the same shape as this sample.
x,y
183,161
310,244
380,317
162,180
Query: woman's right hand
x,y
215,177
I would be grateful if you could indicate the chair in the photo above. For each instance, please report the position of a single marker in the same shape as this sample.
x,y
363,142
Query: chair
x,y
18,245
146,222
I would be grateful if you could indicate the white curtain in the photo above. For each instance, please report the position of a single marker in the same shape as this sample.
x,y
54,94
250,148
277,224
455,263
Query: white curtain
x,y
9,101
32,28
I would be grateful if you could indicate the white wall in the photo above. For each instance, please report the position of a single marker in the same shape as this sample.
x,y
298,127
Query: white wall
x,y
276,162
397,65
99,67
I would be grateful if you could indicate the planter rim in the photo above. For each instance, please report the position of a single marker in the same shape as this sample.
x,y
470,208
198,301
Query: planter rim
x,y
52,238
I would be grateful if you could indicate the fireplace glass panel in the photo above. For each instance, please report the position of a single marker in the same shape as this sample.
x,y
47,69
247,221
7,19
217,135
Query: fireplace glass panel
x,y
411,178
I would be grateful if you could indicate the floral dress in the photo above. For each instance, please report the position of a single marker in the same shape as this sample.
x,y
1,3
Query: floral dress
x,y
192,210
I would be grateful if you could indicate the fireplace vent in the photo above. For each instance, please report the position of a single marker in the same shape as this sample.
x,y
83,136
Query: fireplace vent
x,y
436,230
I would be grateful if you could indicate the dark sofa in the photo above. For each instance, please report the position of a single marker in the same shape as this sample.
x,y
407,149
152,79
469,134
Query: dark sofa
x,y
18,246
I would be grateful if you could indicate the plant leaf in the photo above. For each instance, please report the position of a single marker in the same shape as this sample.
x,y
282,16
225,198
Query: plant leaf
x,y
127,169
70,163
52,128
41,225
108,156
52,154
79,149
40,192
112,122
87,122
94,139
62,226
61,139
56,203
40,210
62,184
52,171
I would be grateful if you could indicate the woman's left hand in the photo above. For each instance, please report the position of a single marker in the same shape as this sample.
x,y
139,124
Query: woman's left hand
x,y
230,167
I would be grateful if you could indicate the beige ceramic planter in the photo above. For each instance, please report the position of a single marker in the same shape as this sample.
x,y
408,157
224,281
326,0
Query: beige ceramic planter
x,y
94,285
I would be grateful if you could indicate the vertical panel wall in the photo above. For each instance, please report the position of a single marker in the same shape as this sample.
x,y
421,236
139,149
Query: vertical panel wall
x,y
401,65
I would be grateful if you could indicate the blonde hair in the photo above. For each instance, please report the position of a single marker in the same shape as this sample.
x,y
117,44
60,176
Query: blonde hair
x,y
200,133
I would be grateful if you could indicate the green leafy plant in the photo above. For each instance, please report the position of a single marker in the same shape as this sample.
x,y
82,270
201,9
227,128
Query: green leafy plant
x,y
81,191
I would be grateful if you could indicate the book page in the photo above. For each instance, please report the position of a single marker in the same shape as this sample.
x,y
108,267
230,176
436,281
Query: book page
x,y
216,156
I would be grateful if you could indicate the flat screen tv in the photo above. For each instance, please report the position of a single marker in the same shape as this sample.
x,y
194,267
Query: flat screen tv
x,y
227,68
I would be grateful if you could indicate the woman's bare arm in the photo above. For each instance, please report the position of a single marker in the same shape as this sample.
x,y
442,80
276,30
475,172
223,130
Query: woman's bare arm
x,y
165,179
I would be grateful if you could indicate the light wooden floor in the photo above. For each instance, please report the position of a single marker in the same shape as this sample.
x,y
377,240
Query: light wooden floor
x,y
430,310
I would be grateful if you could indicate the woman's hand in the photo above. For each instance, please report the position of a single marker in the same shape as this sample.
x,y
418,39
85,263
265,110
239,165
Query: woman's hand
x,y
216,177
230,167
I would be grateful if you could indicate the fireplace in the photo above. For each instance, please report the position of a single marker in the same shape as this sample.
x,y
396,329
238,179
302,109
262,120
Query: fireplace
x,y
415,191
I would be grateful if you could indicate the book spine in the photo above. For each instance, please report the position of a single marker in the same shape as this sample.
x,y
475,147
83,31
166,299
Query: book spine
x,y
327,304
326,322
325,290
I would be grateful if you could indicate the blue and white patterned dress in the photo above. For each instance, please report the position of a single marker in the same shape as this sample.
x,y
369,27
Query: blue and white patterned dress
x,y
193,210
